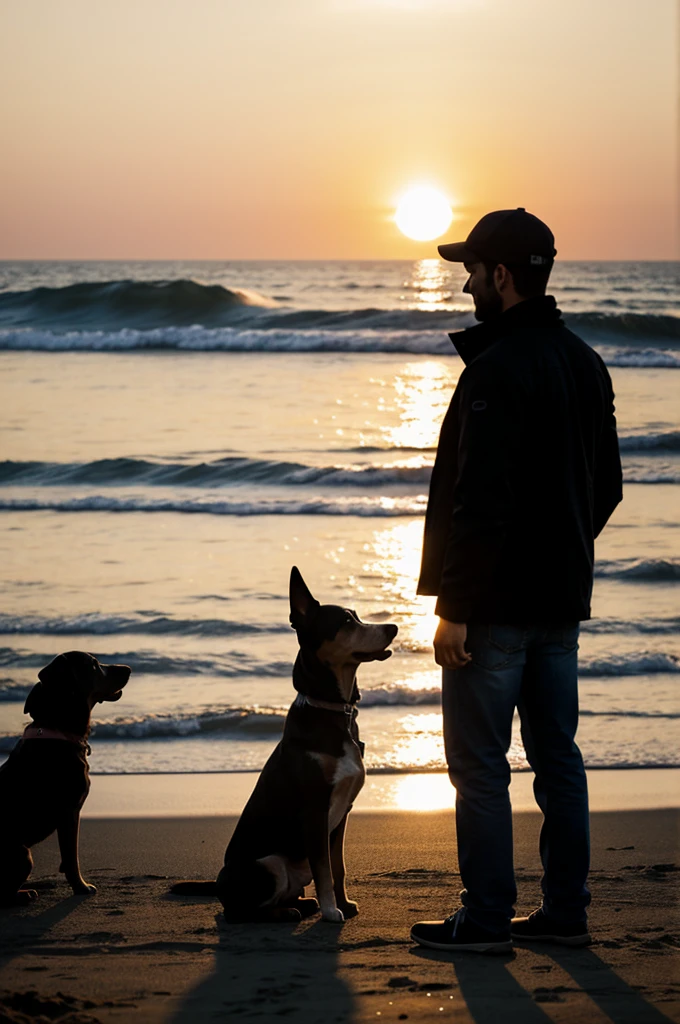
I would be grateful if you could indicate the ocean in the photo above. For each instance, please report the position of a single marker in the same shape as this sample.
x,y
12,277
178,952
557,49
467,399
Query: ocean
x,y
175,436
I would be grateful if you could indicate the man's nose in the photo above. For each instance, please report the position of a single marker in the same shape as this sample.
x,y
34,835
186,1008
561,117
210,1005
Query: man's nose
x,y
466,287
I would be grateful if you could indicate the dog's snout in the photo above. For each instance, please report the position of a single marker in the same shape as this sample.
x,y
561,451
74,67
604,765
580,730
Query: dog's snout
x,y
392,630
118,674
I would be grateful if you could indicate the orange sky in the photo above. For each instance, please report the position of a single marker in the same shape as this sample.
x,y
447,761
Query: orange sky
x,y
288,128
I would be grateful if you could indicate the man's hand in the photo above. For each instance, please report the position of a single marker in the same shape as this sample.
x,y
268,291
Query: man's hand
x,y
449,644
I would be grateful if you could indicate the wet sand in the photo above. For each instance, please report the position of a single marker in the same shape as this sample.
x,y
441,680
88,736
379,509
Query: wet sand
x,y
133,953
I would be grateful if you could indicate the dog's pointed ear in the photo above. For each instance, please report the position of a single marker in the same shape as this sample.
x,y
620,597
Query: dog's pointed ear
x,y
302,603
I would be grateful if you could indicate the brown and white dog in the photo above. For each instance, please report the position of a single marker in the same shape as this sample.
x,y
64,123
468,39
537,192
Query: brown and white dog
x,y
45,780
292,829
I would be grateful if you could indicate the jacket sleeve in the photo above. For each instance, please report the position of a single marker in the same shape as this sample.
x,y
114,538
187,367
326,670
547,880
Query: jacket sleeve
x,y
608,477
490,420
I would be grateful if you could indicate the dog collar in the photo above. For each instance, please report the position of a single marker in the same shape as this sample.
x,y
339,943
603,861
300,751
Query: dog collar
x,y
325,705
38,732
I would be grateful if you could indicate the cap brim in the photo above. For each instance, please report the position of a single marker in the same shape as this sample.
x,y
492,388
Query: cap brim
x,y
457,252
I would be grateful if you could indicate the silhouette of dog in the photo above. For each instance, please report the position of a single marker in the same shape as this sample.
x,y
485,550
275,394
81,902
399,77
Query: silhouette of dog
x,y
44,782
292,828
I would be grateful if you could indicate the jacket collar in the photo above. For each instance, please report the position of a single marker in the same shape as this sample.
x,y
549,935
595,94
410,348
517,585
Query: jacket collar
x,y
541,311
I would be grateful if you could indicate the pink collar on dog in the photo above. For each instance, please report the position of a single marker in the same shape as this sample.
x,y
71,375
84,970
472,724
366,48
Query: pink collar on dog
x,y
38,732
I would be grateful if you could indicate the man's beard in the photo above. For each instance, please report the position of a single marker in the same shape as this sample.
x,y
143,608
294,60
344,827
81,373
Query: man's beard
x,y
488,306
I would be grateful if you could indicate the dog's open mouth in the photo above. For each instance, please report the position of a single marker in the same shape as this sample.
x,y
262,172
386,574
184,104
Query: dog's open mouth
x,y
113,695
381,655
122,678
116,674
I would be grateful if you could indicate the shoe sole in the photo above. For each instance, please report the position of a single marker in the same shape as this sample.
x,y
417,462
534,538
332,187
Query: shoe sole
x,y
466,947
561,940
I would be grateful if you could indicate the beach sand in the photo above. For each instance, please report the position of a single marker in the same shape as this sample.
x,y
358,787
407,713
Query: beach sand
x,y
133,953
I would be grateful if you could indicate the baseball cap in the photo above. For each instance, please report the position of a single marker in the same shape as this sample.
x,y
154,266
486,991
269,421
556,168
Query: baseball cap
x,y
512,237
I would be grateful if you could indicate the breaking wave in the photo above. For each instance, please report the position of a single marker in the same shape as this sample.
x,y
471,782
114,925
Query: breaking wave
x,y
371,340
634,664
233,470
264,723
234,665
230,339
154,624
376,507
666,441
642,570
110,304
144,623
133,303
221,472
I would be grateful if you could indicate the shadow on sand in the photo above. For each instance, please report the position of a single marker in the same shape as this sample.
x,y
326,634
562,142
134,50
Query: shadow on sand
x,y
623,1004
492,993
279,970
21,927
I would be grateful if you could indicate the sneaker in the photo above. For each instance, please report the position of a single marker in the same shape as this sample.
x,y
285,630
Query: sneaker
x,y
538,927
458,932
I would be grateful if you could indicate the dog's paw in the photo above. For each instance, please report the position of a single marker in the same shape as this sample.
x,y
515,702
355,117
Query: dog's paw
x,y
18,899
333,914
83,889
349,909
307,906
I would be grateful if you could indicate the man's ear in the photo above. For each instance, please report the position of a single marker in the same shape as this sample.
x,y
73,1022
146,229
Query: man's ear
x,y
502,278
302,603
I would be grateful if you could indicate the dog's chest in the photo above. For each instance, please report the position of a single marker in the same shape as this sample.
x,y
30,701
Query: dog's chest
x,y
348,778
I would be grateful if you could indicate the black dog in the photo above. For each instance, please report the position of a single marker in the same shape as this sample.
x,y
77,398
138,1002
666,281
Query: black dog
x,y
44,782
292,828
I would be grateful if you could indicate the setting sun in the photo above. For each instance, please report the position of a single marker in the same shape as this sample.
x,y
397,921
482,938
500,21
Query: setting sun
x,y
423,213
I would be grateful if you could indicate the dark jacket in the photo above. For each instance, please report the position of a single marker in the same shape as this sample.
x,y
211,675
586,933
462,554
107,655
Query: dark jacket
x,y
527,473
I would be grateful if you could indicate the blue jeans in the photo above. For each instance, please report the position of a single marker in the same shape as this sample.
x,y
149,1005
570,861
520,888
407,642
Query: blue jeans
x,y
533,669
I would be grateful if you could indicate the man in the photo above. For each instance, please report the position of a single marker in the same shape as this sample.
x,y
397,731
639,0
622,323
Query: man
x,y
526,476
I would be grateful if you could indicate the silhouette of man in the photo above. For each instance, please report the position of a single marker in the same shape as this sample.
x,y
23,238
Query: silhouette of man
x,y
527,474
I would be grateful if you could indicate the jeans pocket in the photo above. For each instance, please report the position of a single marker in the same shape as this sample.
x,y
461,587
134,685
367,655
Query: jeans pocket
x,y
494,647
509,639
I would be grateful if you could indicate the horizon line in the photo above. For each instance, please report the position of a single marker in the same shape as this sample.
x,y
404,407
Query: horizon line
x,y
306,259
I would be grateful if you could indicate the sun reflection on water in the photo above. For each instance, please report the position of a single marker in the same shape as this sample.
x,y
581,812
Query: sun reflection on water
x,y
432,285
394,560
418,743
422,392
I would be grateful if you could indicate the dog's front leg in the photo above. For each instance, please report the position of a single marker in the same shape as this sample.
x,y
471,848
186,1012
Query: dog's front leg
x,y
348,907
68,830
319,854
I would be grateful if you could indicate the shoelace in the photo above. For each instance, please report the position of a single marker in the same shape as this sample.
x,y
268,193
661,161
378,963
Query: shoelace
x,y
455,920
